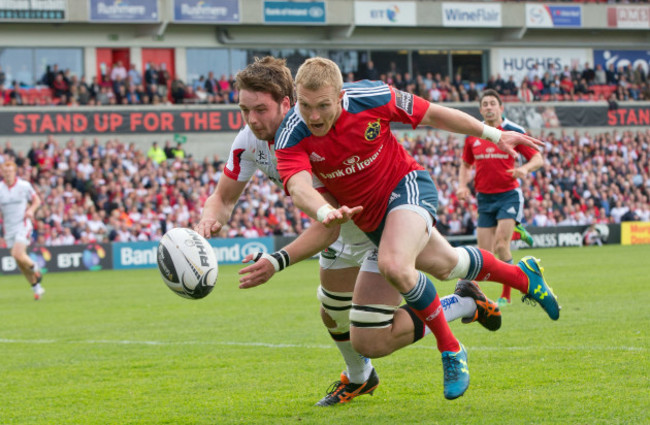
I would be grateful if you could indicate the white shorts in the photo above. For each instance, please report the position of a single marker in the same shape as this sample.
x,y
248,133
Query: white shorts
x,y
351,249
21,233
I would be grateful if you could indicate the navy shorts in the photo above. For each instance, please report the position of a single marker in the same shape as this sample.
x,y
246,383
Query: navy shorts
x,y
493,207
415,189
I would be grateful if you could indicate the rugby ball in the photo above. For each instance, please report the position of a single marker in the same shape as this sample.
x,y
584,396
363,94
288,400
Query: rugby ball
x,y
187,263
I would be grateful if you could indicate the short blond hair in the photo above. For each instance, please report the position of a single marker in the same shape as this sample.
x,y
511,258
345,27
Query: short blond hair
x,y
317,73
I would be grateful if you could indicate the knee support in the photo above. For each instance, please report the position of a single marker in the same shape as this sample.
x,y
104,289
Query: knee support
x,y
462,267
337,305
372,315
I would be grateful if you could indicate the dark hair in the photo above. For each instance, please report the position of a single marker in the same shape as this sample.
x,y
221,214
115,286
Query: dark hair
x,y
490,92
268,75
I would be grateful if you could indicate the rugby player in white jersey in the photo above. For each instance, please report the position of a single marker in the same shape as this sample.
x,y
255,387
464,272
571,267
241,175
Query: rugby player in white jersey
x,y
265,96
18,203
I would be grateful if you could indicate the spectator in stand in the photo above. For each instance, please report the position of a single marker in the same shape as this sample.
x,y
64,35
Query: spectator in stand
x,y
537,87
211,84
178,91
566,85
510,88
178,151
588,74
169,150
151,74
582,87
224,86
612,75
163,81
83,96
119,72
525,93
156,154
59,87
472,92
371,72
600,76
134,76
15,98
50,74
535,71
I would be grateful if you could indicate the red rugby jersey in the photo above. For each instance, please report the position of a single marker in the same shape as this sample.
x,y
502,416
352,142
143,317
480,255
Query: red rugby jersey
x,y
359,160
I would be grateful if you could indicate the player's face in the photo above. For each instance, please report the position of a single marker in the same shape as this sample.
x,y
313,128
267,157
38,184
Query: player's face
x,y
8,173
491,110
319,108
262,114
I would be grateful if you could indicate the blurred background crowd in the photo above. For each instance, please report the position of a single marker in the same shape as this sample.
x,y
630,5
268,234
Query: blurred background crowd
x,y
125,85
113,191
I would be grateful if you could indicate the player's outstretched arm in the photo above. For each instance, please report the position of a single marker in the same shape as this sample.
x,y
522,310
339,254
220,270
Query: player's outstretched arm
x,y
310,242
533,164
219,205
457,121
34,204
464,177
314,204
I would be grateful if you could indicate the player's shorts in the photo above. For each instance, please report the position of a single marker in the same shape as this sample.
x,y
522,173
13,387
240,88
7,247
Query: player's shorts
x,y
416,192
341,255
20,233
493,207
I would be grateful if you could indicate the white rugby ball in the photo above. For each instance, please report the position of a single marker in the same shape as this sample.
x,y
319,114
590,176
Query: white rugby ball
x,y
187,263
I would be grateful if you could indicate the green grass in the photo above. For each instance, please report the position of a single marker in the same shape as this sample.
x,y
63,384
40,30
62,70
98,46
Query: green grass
x,y
118,347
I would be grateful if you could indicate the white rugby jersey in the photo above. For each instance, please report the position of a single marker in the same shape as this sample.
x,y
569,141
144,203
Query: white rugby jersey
x,y
14,200
248,154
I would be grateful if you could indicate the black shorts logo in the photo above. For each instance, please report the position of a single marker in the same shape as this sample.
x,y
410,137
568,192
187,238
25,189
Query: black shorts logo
x,y
404,101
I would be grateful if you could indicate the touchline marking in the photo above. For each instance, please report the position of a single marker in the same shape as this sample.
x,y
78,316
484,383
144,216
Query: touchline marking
x,y
308,346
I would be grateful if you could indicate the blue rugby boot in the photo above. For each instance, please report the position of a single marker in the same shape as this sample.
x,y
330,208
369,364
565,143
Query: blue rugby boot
x,y
456,379
538,289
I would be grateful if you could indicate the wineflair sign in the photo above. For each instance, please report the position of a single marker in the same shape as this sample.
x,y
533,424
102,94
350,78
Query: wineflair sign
x,y
471,15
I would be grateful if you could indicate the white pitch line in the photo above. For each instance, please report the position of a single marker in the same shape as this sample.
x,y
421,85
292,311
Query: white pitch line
x,y
307,346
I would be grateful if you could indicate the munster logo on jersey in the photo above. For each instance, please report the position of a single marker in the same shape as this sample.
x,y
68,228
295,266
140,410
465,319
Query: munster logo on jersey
x,y
373,130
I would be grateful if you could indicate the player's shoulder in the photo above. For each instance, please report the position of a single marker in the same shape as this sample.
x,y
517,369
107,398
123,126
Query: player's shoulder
x,y
511,126
245,139
365,94
20,182
292,130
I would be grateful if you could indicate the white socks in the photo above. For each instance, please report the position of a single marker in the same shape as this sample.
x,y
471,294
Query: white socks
x,y
359,367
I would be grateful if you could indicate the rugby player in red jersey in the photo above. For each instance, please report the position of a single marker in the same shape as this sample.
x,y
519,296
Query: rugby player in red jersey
x,y
341,135
500,200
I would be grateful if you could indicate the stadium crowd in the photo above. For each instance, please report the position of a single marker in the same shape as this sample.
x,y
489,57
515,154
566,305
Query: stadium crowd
x,y
116,192
122,86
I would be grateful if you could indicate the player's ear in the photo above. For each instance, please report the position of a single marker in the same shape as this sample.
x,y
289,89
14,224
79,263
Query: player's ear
x,y
285,105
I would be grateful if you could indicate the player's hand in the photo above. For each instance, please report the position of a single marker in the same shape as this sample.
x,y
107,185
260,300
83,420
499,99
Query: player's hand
x,y
462,193
518,173
207,227
257,273
510,139
29,214
341,215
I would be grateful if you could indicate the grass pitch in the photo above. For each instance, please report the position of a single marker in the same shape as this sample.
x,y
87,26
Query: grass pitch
x,y
118,347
